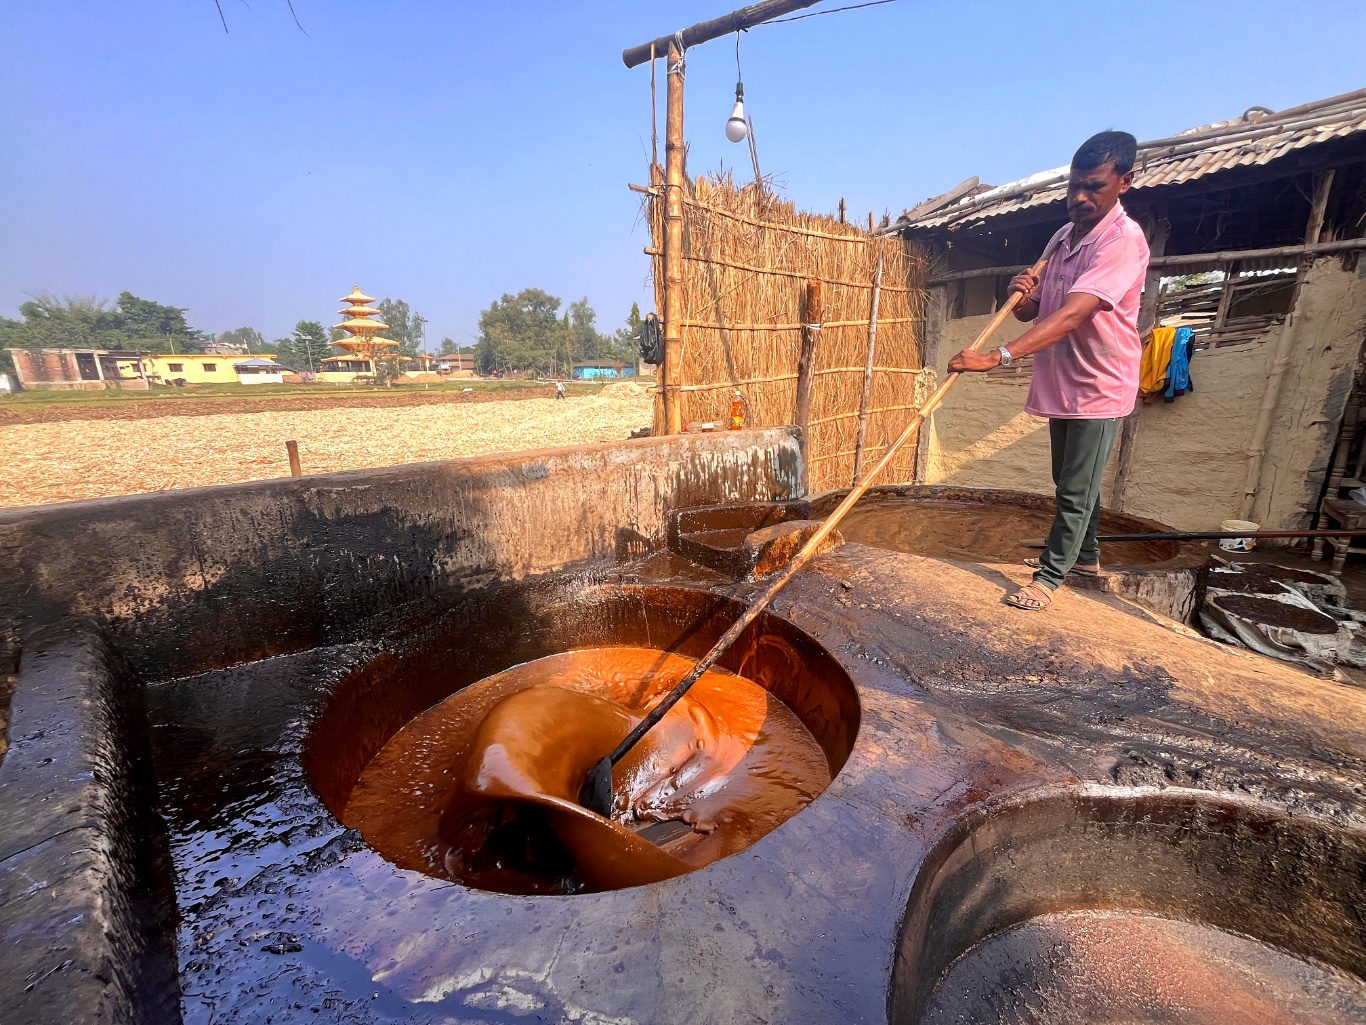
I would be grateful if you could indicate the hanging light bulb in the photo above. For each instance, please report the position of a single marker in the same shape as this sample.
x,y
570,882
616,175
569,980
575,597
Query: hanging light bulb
x,y
737,127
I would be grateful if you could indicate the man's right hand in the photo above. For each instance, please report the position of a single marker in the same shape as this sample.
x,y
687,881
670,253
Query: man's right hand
x,y
1024,284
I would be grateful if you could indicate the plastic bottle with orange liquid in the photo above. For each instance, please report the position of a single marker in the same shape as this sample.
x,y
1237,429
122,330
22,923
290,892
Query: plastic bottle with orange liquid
x,y
737,412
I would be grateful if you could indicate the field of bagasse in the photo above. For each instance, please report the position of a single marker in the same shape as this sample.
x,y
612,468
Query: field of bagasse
x,y
66,451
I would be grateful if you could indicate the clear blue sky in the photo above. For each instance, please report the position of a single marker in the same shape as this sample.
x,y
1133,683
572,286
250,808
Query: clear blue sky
x,y
445,153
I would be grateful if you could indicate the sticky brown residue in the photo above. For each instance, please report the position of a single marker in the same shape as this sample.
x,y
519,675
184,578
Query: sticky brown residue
x,y
482,787
1277,613
974,532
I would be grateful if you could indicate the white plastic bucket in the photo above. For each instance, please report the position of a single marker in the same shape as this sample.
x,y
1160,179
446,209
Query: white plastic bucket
x,y
1238,544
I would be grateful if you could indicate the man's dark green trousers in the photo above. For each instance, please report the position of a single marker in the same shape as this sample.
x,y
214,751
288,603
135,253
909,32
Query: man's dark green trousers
x,y
1081,448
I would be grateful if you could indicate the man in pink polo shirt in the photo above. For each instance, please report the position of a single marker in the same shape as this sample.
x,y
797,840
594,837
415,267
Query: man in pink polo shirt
x,y
1086,351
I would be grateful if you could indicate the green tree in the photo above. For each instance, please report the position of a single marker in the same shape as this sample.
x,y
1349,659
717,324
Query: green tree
x,y
585,341
69,322
624,344
520,332
406,325
306,348
449,347
152,326
85,322
248,338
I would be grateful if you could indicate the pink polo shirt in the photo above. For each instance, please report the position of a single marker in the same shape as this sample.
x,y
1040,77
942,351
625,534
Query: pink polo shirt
x,y
1092,373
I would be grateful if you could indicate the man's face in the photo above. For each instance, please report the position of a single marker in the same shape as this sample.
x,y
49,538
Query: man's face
x,y
1091,193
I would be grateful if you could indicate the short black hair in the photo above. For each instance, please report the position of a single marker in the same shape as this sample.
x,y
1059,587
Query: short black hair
x,y
1119,149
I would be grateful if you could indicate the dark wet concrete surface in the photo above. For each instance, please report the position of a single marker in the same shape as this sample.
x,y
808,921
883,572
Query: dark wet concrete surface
x,y
289,916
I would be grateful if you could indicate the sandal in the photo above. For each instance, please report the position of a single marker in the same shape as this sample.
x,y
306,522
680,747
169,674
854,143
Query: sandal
x,y
1031,598
1085,571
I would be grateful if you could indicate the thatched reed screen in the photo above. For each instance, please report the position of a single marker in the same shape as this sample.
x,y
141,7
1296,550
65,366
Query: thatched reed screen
x,y
747,259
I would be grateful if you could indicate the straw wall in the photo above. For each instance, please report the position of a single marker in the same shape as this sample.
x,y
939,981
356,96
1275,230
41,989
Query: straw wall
x,y
747,258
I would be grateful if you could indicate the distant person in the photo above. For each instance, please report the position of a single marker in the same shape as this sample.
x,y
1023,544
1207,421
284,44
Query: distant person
x,y
559,388
1086,352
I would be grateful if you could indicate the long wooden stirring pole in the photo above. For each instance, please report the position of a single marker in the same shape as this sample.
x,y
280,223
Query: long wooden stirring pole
x,y
596,793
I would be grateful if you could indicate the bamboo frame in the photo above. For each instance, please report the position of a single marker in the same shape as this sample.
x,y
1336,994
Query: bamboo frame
x,y
745,264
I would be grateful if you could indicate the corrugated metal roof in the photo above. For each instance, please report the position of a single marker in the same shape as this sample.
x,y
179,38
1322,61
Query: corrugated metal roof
x,y
1254,138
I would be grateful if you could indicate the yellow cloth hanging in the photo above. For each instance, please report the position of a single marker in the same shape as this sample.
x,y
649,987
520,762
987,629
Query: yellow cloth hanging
x,y
1157,357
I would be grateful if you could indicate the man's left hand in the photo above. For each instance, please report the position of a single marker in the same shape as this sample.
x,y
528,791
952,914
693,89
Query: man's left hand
x,y
967,362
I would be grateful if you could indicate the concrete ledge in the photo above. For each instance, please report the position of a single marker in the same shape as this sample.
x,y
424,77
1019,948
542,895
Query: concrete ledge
x,y
85,928
192,580
1170,586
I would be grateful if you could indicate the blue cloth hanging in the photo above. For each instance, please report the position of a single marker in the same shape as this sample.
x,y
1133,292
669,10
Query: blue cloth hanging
x,y
1179,370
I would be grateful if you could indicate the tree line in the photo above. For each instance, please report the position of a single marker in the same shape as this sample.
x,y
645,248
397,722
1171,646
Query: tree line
x,y
522,332
527,332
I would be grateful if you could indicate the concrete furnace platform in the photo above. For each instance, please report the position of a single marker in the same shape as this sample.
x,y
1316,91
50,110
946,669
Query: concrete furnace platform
x,y
1063,787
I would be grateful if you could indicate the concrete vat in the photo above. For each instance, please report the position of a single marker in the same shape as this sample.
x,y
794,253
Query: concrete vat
x,y
187,710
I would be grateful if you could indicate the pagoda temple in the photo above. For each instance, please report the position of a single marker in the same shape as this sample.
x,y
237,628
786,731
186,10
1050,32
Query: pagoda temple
x,y
366,348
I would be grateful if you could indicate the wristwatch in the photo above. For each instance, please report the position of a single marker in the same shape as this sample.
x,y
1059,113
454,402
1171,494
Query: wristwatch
x,y
1005,356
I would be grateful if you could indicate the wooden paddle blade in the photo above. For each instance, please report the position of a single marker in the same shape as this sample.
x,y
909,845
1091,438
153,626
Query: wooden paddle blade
x,y
596,792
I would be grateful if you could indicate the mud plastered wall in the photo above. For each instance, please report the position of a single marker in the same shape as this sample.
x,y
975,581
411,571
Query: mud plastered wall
x,y
1190,457
982,437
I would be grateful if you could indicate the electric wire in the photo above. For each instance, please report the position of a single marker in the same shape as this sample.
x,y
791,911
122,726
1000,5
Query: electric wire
x,y
833,10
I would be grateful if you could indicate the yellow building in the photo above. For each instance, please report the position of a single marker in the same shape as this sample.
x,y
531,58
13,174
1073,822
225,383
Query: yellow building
x,y
196,367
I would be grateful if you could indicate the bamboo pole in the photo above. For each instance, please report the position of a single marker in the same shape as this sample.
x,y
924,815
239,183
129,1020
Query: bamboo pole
x,y
868,369
292,450
704,31
673,240
853,235
754,157
1271,397
736,265
703,325
806,373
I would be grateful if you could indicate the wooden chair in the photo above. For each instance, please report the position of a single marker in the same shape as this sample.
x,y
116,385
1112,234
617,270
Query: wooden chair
x,y
1349,515
1345,472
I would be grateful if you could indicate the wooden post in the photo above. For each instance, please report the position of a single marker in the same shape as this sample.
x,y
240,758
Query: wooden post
x,y
1147,316
673,240
806,374
868,367
841,209
295,468
1271,396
